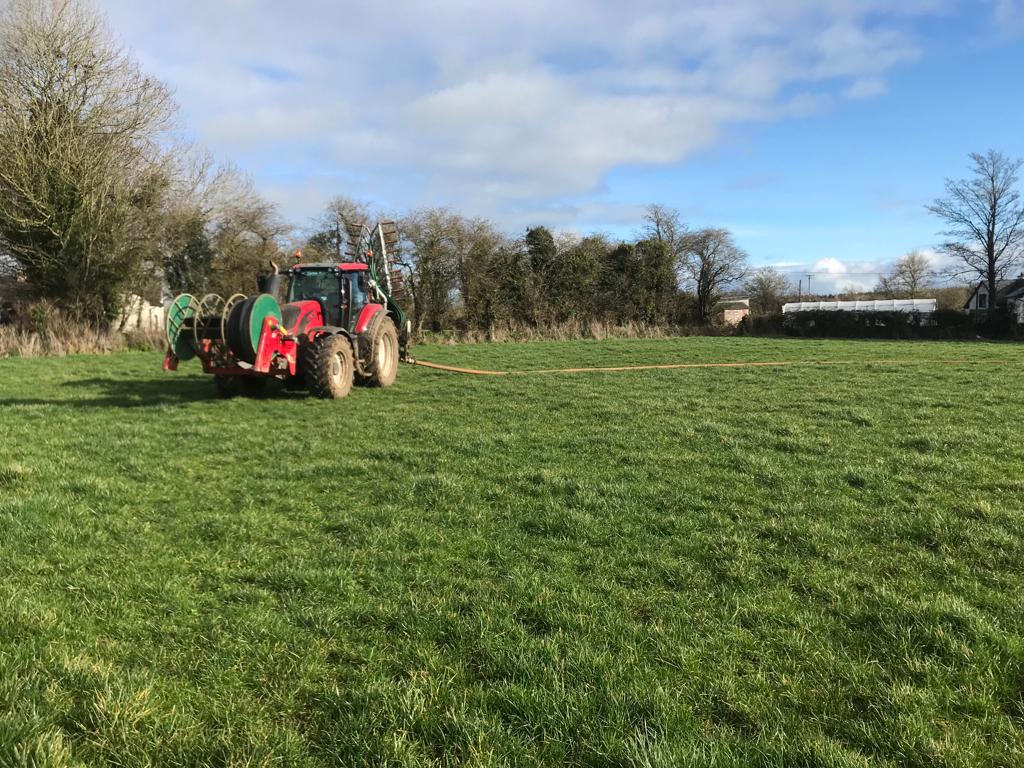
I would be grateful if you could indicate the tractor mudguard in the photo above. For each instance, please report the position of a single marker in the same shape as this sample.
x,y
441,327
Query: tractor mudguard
x,y
330,329
366,315
298,316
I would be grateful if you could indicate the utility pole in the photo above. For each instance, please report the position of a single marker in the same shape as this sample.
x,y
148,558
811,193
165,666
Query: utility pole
x,y
800,290
808,285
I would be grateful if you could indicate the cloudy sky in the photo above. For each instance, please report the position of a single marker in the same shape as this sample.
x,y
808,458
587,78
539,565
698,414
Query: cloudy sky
x,y
815,129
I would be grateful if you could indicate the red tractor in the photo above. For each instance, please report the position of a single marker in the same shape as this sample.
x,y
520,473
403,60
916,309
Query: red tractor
x,y
339,324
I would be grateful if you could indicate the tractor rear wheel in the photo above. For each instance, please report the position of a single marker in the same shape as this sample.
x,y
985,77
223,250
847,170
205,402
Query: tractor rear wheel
x,y
329,367
382,354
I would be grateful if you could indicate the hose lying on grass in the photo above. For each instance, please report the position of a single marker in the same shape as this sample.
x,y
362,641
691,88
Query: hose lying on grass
x,y
672,366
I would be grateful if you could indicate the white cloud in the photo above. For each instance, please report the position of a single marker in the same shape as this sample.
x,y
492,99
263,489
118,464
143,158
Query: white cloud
x,y
1008,16
501,106
830,266
830,275
866,88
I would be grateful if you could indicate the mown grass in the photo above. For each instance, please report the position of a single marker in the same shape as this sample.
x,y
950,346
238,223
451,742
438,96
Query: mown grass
x,y
804,565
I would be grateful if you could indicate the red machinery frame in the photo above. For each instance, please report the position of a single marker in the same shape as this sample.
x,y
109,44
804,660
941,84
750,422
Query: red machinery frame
x,y
276,344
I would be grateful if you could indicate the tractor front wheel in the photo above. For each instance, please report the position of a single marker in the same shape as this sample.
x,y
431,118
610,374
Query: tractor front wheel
x,y
329,367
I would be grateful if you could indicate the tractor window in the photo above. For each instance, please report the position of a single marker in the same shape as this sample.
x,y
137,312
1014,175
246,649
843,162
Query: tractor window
x,y
318,284
358,289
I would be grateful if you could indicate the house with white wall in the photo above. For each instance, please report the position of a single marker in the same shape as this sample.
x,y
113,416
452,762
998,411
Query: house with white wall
x,y
1009,295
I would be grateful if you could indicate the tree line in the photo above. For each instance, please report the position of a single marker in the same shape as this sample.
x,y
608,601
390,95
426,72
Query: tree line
x,y
464,272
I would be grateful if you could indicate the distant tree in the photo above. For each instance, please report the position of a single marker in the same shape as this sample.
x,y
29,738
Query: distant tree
x,y
429,241
507,296
656,278
887,286
573,282
476,247
246,238
188,266
202,197
909,276
914,273
712,261
84,165
622,289
330,237
664,225
951,297
767,289
985,219
540,245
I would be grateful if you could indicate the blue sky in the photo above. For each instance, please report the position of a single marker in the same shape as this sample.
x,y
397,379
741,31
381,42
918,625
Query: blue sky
x,y
815,131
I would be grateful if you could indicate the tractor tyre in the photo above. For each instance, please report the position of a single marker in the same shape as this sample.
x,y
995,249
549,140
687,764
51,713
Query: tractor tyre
x,y
236,329
329,367
381,364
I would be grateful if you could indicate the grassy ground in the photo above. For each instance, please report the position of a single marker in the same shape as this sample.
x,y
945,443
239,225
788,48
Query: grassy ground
x,y
806,565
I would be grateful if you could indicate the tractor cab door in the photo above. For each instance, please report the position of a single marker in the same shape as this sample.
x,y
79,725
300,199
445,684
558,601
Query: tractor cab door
x,y
357,290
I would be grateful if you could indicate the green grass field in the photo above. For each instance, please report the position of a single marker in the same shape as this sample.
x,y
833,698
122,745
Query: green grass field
x,y
802,565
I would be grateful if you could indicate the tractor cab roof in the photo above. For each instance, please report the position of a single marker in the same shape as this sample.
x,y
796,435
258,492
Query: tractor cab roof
x,y
344,266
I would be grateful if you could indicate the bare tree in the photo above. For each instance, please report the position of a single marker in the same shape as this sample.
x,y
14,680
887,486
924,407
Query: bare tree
x,y
330,230
712,261
985,219
887,286
910,275
664,225
246,235
217,231
914,273
767,288
83,171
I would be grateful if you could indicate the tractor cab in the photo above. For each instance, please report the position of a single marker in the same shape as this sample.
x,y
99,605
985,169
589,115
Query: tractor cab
x,y
339,289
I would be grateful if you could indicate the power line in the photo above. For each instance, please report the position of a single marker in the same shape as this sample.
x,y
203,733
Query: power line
x,y
829,274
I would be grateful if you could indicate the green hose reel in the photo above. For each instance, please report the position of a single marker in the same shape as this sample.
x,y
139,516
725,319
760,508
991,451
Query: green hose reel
x,y
181,317
238,326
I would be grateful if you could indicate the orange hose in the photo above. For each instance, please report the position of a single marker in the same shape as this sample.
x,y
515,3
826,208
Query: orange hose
x,y
452,369
673,366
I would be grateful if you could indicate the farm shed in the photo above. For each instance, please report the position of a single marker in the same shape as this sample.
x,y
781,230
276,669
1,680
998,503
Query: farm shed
x,y
732,311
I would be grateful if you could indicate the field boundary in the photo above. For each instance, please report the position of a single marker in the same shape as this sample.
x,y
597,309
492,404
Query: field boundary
x,y
676,366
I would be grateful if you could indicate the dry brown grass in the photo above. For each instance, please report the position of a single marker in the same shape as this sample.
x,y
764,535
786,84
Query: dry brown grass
x,y
45,332
568,331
